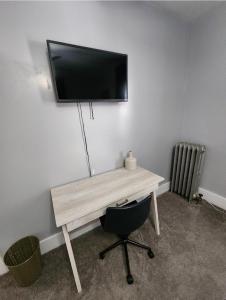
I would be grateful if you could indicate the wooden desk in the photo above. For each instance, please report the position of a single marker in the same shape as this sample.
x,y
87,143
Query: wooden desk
x,y
80,202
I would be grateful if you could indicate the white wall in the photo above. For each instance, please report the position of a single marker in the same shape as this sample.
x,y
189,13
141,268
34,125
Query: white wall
x,y
41,143
204,118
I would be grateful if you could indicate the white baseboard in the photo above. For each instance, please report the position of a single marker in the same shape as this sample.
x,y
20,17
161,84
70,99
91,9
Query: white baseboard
x,y
163,188
3,268
57,239
213,198
54,241
209,196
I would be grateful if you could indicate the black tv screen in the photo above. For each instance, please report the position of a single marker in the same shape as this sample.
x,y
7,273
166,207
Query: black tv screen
x,y
82,74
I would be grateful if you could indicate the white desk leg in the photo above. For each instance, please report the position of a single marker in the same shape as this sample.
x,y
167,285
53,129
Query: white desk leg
x,y
72,258
155,215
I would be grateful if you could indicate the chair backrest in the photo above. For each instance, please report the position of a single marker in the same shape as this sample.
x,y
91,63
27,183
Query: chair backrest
x,y
124,220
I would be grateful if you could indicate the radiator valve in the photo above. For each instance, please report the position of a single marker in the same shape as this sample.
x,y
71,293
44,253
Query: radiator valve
x,y
198,197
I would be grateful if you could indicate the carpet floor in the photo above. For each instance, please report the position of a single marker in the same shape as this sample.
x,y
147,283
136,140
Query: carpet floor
x,y
189,263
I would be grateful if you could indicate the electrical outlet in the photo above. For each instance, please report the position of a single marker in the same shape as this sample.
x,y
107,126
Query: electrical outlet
x,y
93,172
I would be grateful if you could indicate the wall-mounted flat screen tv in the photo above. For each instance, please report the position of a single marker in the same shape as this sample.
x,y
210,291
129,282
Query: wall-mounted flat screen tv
x,y
82,74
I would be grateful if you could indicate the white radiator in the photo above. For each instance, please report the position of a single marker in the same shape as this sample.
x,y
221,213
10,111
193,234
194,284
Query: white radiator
x,y
186,170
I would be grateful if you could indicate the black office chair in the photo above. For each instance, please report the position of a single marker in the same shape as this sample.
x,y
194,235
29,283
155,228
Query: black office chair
x,y
122,221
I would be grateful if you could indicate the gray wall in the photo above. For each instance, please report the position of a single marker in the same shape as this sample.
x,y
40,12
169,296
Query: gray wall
x,y
41,143
205,103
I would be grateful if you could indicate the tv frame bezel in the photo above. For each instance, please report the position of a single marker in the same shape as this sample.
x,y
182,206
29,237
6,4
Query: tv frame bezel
x,y
83,100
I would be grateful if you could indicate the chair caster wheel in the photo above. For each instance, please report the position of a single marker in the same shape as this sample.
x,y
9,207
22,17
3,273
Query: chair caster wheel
x,y
129,279
101,256
151,254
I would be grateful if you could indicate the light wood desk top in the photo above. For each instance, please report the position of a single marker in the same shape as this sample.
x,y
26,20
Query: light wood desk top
x,y
77,199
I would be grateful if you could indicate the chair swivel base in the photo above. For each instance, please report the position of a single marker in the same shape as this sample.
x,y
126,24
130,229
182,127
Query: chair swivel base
x,y
124,242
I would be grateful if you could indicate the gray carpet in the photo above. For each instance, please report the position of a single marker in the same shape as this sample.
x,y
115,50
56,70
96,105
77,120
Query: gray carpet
x,y
189,263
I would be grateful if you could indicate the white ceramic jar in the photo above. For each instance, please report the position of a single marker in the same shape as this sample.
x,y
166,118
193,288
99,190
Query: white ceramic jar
x,y
130,161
